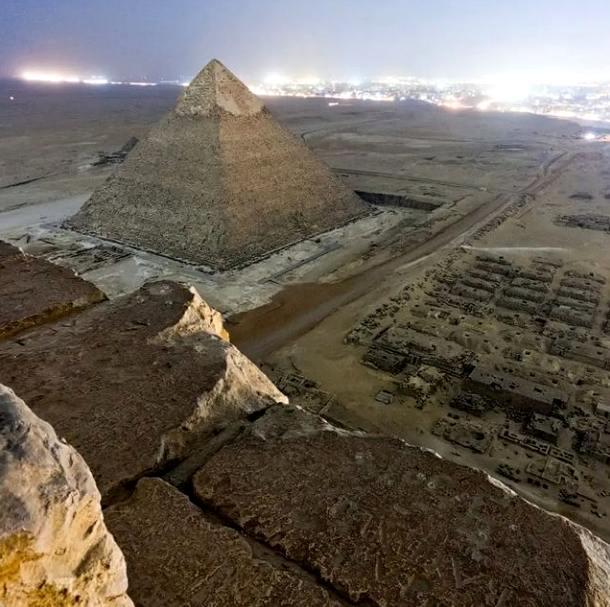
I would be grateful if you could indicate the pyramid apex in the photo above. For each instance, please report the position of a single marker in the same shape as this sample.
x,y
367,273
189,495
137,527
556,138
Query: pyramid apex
x,y
216,90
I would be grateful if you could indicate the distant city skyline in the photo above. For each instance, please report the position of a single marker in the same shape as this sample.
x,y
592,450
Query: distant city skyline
x,y
546,40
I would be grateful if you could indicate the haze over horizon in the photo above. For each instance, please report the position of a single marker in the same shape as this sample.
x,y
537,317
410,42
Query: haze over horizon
x,y
150,39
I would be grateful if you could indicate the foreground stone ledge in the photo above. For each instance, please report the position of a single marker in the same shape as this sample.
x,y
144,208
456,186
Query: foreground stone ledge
x,y
34,291
55,550
388,524
176,556
135,382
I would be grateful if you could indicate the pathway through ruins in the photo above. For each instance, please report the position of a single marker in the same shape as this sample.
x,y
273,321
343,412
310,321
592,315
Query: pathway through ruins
x,y
299,307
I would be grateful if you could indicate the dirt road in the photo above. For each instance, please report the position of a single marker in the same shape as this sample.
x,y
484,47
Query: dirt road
x,y
298,308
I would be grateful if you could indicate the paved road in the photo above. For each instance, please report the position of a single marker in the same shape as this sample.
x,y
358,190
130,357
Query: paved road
x,y
298,308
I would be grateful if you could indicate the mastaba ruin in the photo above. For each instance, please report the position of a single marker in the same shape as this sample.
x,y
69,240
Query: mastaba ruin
x,y
218,182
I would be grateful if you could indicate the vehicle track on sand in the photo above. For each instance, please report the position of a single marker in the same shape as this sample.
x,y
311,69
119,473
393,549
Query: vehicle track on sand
x,y
299,307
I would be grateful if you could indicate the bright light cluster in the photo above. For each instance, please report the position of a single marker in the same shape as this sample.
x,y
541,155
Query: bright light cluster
x,y
96,80
521,93
498,93
60,78
63,78
55,77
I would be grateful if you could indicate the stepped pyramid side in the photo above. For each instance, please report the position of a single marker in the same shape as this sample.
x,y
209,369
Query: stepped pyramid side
x,y
214,90
218,182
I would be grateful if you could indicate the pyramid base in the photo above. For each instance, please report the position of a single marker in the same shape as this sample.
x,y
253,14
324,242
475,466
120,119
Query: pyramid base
x,y
213,266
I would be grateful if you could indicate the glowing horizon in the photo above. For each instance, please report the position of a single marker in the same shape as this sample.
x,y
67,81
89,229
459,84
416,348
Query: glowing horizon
x,y
59,77
508,87
51,76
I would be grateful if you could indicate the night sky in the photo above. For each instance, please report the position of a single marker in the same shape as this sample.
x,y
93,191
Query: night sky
x,y
348,39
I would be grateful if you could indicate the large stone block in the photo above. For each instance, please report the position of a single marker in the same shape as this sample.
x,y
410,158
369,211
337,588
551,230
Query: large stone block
x,y
388,524
55,550
136,382
34,291
176,556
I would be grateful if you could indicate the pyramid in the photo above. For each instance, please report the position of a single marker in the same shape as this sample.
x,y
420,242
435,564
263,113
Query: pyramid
x,y
218,182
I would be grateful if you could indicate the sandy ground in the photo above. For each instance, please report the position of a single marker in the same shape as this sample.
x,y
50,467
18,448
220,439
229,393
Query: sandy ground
x,y
499,181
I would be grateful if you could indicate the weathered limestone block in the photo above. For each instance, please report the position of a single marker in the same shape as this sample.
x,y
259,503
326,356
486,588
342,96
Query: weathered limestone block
x,y
176,556
388,524
55,549
197,317
34,291
134,383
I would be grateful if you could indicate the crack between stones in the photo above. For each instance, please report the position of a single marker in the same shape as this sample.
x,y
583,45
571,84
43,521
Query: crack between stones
x,y
179,474
272,555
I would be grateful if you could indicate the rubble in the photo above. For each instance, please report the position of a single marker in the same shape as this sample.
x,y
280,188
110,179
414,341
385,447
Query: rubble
x,y
118,156
536,296
381,359
304,392
588,221
474,404
544,427
420,349
581,196
587,353
521,396
466,434
572,316
540,447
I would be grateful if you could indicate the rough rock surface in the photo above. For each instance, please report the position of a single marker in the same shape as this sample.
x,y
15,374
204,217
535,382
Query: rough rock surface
x,y
218,182
216,91
8,250
176,556
387,524
55,550
135,382
34,291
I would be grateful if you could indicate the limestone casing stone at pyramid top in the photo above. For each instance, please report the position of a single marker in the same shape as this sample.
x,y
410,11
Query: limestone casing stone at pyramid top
x,y
216,89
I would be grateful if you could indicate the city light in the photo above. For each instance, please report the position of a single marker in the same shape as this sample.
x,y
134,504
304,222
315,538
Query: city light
x,y
507,93
57,77
578,100
454,104
52,77
275,79
96,80
508,90
308,81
